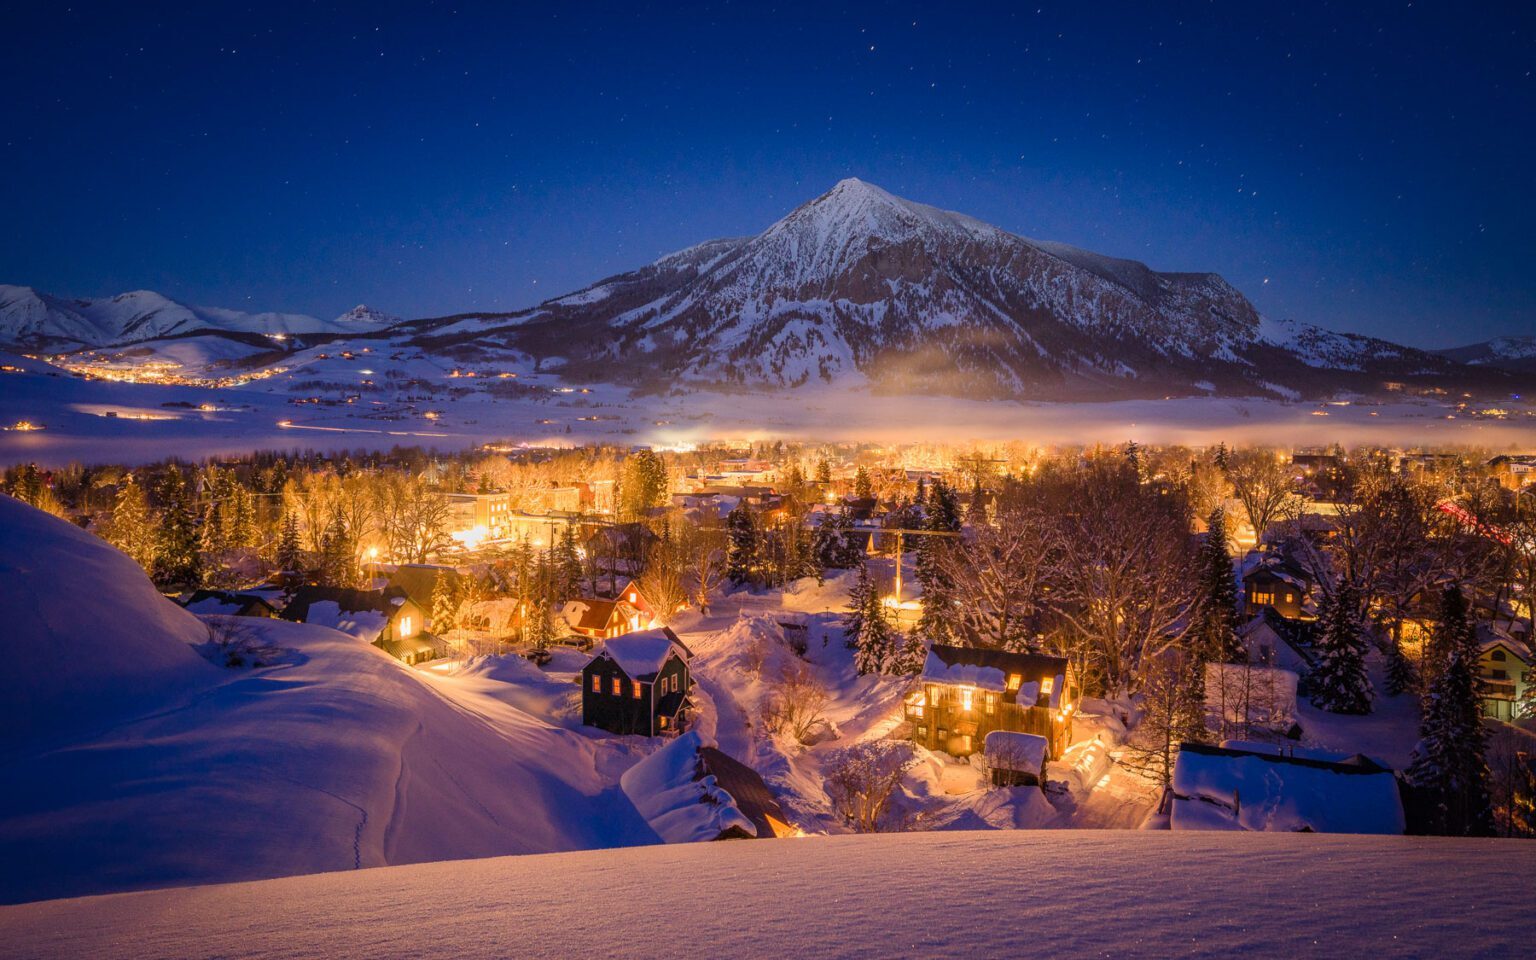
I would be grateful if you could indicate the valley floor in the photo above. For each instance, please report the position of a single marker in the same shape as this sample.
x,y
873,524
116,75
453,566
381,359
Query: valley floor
x,y
1075,894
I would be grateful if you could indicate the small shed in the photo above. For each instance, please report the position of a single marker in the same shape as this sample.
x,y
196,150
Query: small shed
x,y
1016,759
689,791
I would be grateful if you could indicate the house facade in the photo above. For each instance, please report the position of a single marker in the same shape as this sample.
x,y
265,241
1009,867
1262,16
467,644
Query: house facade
x,y
638,684
1277,583
388,619
1506,671
967,693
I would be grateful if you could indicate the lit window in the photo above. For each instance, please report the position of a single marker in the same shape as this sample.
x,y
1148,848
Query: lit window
x,y
991,702
663,722
597,683
637,689
1047,685
965,698
618,687
633,596
1015,680
965,743
405,626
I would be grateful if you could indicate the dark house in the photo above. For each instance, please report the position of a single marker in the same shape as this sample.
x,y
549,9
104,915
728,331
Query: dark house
x,y
968,693
1277,582
384,618
229,603
638,683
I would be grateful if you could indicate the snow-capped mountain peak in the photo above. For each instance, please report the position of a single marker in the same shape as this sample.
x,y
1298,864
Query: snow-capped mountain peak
x,y
364,315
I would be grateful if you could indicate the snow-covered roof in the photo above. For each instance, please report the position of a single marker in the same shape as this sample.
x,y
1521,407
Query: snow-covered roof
x,y
1019,752
643,653
216,603
362,624
1217,788
990,669
680,802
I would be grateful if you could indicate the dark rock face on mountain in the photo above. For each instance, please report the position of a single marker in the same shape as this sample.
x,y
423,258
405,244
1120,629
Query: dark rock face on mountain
x,y
861,284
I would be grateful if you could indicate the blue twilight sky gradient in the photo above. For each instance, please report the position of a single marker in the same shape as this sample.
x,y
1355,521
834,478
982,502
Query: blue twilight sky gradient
x,y
1362,165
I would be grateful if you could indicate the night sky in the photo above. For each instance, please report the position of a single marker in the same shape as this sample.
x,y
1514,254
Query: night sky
x,y
1365,166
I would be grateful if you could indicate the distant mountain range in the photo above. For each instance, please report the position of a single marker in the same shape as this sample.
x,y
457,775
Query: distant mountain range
x,y
861,286
30,320
1517,354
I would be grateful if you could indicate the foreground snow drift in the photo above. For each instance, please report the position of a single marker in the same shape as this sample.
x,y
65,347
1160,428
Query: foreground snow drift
x,y
1074,894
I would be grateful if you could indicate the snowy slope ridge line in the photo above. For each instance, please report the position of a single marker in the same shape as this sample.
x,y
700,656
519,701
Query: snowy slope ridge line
x,y
1085,894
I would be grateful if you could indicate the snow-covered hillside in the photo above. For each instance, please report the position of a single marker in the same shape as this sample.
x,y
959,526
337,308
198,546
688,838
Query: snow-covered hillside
x,y
131,761
1507,353
33,320
1076,894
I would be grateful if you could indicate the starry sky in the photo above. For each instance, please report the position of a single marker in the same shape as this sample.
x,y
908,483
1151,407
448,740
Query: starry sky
x,y
1362,165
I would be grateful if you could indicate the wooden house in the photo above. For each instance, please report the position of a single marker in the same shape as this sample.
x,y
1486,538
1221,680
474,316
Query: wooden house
x,y
638,683
1274,580
1273,641
967,693
1015,759
1506,671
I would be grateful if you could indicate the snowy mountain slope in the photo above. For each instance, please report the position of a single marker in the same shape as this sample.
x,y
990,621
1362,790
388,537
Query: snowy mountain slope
x,y
1517,354
1082,894
862,285
131,761
33,320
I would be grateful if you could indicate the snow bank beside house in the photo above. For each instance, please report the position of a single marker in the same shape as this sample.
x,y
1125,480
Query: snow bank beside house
x,y
87,637
1146,895
1260,790
680,805
365,625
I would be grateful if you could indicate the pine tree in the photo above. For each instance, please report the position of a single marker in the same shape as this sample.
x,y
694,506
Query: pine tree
x,y
942,517
132,528
1133,458
1449,765
642,484
875,642
1216,618
290,556
824,473
976,509
863,487
542,631
853,620
445,604
178,562
1339,681
742,549
567,565
1402,675
910,655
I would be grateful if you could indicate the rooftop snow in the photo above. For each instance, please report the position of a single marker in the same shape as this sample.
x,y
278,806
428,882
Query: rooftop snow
x,y
680,805
1261,791
642,654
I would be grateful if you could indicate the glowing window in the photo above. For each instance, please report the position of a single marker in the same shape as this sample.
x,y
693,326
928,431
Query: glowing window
x,y
405,626
965,698
1014,681
1046,685
637,689
618,687
597,683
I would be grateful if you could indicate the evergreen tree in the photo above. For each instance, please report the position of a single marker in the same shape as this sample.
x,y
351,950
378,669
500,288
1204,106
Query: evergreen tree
x,y
921,496
937,624
1222,457
642,484
336,564
863,487
542,631
910,655
853,620
290,556
1133,458
976,509
132,528
875,641
741,552
1339,681
823,473
178,561
444,603
567,574
1449,765
1402,675
1216,618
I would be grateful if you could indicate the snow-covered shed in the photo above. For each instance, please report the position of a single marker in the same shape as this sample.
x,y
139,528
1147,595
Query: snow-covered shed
x,y
1015,759
1241,786
375,616
228,603
689,791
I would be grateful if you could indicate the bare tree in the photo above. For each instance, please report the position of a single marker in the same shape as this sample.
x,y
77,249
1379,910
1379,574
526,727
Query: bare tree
x,y
862,779
998,571
662,582
413,518
704,552
238,643
797,703
1263,482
